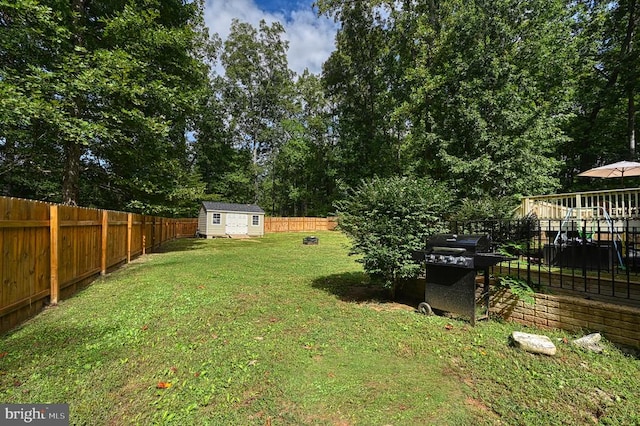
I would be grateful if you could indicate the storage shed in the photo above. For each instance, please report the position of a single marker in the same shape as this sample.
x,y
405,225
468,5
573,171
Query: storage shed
x,y
227,219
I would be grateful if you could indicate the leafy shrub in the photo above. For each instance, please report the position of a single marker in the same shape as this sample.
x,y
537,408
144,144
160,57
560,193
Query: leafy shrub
x,y
388,219
501,208
518,287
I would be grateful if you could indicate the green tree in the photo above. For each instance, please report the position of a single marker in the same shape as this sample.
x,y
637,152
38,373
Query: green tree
x,y
490,95
360,79
303,171
225,168
474,94
604,128
29,35
255,93
110,89
387,219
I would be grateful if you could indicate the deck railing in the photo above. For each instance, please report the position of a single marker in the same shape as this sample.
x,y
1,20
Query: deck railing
x,y
617,203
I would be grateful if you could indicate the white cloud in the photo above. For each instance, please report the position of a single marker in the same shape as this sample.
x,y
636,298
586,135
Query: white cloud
x,y
311,39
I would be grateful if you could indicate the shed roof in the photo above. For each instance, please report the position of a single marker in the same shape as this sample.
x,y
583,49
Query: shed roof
x,y
231,207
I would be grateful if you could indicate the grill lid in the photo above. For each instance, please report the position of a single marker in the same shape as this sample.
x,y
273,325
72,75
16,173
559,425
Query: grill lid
x,y
458,244
449,250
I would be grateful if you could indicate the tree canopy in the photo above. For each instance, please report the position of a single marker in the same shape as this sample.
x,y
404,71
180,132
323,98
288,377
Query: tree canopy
x,y
117,104
97,97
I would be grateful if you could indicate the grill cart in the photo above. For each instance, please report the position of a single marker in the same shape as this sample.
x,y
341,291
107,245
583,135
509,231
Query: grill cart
x,y
451,263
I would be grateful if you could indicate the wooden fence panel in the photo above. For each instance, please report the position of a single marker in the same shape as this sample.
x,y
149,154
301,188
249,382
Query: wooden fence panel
x,y
168,230
157,232
80,244
136,235
24,265
116,238
296,224
299,224
50,249
315,224
148,229
276,224
186,227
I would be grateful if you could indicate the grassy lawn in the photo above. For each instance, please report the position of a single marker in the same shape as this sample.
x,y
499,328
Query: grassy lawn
x,y
269,331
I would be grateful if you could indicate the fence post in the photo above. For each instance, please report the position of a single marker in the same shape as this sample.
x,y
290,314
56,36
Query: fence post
x,y
143,235
105,223
129,226
53,248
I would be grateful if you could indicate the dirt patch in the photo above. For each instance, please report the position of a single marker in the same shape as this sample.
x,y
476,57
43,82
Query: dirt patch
x,y
365,293
376,298
390,306
477,404
485,412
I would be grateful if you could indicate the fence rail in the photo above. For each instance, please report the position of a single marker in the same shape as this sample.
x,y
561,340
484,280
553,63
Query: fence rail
x,y
50,251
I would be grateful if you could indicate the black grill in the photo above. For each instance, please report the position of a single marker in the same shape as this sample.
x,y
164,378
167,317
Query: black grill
x,y
451,262
472,251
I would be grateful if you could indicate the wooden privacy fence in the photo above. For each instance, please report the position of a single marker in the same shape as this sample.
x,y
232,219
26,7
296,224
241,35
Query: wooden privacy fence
x,y
50,251
299,224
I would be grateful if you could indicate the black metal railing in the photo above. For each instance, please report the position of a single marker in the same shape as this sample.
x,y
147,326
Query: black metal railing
x,y
595,257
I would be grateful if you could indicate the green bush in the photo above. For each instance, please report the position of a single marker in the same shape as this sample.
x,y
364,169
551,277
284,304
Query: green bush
x,y
518,287
388,219
501,208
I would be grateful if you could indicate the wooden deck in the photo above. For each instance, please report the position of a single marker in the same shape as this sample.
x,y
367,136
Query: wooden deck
x,y
618,204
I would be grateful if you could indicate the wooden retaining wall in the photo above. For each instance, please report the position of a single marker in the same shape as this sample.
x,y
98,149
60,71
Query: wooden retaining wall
x,y
299,224
50,251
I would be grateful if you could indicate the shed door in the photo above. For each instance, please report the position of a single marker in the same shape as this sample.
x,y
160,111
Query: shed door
x,y
236,224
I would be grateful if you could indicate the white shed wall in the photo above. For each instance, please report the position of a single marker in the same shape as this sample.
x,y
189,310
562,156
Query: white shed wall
x,y
209,230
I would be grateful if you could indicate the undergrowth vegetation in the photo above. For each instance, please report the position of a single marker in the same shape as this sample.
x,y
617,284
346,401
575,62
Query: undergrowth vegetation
x,y
269,331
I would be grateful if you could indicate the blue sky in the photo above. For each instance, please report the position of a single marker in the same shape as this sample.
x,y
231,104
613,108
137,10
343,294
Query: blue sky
x,y
274,6
311,39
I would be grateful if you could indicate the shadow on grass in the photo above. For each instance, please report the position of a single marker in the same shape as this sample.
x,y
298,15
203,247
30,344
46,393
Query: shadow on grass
x,y
182,244
352,287
86,342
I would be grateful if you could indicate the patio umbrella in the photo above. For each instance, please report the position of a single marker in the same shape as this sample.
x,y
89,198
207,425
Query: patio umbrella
x,y
619,169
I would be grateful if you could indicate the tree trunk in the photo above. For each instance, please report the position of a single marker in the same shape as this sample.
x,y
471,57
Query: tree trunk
x,y
631,111
256,181
631,125
71,173
72,149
